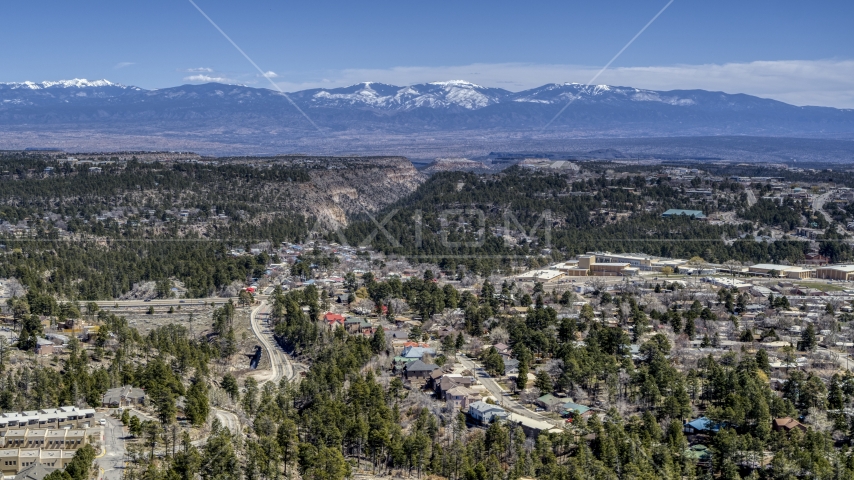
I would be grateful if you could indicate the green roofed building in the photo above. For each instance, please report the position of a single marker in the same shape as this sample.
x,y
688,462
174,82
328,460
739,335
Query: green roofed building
x,y
675,212
574,409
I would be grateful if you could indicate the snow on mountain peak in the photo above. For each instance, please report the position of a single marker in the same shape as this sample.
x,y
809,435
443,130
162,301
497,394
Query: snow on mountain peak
x,y
73,83
80,83
454,93
456,83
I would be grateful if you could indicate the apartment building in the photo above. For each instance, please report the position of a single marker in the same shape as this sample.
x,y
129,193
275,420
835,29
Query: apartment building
x,y
62,417
51,439
14,460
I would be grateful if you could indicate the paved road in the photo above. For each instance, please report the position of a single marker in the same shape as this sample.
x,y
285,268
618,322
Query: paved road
x,y
818,205
228,420
166,302
506,402
751,197
112,464
280,363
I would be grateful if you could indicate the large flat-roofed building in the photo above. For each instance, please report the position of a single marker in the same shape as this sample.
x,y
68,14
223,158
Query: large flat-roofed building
x,y
766,269
729,283
835,272
588,265
571,269
634,259
542,276
613,269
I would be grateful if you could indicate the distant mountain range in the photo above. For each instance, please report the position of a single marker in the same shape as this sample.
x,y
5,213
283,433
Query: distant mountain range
x,y
223,113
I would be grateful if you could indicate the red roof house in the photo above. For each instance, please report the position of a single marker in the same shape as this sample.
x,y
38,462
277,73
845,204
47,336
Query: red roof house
x,y
334,319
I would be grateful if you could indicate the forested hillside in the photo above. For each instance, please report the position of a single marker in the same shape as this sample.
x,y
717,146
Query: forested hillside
x,y
464,218
92,230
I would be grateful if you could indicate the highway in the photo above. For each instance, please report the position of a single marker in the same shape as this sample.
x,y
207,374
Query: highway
x,y
504,401
165,302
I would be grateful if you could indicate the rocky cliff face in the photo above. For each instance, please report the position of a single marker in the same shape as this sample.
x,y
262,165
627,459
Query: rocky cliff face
x,y
342,187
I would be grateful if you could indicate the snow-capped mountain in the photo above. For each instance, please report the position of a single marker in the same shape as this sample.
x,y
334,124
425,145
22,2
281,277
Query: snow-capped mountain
x,y
572,92
47,93
76,82
451,94
451,106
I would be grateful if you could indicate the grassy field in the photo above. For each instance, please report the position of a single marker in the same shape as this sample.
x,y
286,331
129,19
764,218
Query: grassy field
x,y
824,287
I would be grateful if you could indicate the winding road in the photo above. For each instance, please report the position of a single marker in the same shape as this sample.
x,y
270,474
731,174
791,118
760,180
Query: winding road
x,y
280,363
227,419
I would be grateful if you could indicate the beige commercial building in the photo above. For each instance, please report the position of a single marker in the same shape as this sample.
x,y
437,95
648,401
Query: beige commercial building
x,y
588,265
541,276
795,273
835,272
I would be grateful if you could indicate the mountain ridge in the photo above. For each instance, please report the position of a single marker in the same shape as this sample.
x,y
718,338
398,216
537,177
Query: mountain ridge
x,y
570,91
368,112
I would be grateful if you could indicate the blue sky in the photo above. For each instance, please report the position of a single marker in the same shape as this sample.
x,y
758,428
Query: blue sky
x,y
800,52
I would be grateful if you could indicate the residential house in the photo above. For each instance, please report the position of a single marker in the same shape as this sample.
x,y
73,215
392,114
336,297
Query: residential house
x,y
550,402
121,396
511,366
459,398
575,410
450,381
787,424
503,349
485,413
397,334
416,352
445,331
531,427
334,320
418,370
700,425
358,325
35,471
45,346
